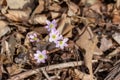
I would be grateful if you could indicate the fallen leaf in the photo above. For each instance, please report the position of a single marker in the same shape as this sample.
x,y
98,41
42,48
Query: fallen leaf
x,y
116,17
67,31
0,71
81,75
14,69
5,58
40,19
39,8
116,37
55,7
73,9
97,51
91,2
88,42
3,3
19,37
18,15
16,4
61,24
54,14
4,29
118,4
41,30
12,44
105,44
22,29
97,7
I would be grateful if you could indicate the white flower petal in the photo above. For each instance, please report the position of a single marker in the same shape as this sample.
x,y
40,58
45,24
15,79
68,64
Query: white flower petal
x,y
43,61
38,52
44,52
48,22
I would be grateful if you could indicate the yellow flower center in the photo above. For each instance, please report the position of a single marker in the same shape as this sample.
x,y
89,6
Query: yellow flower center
x,y
60,42
41,56
53,36
51,25
35,38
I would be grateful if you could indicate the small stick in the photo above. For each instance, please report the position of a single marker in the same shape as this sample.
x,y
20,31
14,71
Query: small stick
x,y
45,73
47,68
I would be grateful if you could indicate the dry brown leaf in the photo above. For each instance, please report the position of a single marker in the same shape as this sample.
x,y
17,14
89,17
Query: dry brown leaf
x,y
12,44
67,32
113,53
55,7
61,24
5,49
0,71
82,2
88,43
14,69
97,51
3,3
105,44
92,17
110,7
96,7
8,48
91,2
56,0
40,19
68,35
116,17
118,4
81,75
17,15
19,37
3,28
39,8
21,28
73,9
54,14
116,37
16,4
88,2
41,30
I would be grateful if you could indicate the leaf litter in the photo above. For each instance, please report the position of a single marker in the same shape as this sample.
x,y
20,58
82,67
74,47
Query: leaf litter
x,y
90,30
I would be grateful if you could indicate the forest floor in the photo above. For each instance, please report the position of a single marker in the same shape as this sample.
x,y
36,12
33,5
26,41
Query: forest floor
x,y
59,40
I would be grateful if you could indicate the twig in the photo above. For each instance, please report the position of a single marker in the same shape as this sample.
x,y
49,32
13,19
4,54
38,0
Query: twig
x,y
116,51
52,77
47,68
54,50
45,73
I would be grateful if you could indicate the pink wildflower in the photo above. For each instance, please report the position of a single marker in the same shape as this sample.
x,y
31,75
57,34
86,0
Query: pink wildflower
x,y
33,37
40,56
62,43
51,25
54,36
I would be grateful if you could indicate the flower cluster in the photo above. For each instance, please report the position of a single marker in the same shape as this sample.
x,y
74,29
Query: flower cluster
x,y
39,56
33,37
55,36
